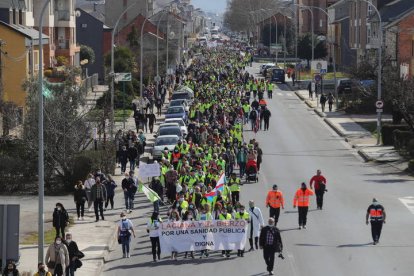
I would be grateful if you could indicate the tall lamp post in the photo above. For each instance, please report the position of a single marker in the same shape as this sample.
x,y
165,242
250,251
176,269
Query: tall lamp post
x,y
379,73
158,78
112,73
41,169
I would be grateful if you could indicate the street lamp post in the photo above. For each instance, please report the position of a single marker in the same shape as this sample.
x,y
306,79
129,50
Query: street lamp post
x,y
41,169
112,73
379,84
157,78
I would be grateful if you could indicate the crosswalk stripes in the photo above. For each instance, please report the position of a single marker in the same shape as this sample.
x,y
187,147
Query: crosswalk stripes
x,y
408,202
284,94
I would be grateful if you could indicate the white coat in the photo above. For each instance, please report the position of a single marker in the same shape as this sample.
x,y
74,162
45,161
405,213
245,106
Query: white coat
x,y
256,221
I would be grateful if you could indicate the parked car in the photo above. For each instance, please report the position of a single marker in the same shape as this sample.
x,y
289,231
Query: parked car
x,y
266,66
162,142
169,130
182,96
176,112
278,75
180,102
180,122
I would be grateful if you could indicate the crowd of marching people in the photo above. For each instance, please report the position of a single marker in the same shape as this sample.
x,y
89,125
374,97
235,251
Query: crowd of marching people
x,y
198,179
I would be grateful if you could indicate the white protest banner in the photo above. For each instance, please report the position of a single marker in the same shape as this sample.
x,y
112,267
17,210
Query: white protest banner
x,y
182,236
148,170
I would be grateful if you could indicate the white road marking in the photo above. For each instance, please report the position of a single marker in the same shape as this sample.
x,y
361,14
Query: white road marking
x,y
279,94
289,94
408,202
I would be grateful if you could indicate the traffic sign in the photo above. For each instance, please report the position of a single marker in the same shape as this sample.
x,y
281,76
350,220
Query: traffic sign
x,y
123,77
157,78
323,71
379,104
379,110
318,78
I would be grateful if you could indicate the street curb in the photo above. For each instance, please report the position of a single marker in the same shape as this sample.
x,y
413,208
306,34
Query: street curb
x,y
364,156
320,113
334,127
111,244
299,96
308,103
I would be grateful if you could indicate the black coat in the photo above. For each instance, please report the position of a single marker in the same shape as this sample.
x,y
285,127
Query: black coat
x,y
60,218
123,156
132,153
277,239
79,195
72,249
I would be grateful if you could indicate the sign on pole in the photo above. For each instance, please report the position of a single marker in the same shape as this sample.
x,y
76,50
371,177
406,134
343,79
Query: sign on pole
x,y
379,104
323,71
157,78
148,170
123,77
318,65
318,78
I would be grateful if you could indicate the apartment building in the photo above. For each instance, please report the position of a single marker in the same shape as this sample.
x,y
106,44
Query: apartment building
x,y
114,9
320,20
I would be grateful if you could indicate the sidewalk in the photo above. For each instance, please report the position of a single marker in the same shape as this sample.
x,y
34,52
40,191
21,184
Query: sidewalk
x,y
346,125
95,239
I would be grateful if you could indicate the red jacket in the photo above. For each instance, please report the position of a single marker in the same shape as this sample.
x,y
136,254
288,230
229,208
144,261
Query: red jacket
x,y
316,179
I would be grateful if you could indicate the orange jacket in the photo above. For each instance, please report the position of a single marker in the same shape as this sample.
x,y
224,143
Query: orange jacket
x,y
275,199
301,198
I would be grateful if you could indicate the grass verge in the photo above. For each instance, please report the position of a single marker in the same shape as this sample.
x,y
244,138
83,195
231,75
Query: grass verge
x,y
50,235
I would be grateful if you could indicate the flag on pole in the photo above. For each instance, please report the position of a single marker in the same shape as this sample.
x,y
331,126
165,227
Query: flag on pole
x,y
219,187
149,193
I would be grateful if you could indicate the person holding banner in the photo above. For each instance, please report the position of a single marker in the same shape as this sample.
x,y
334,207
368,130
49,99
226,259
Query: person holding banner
x,y
225,216
204,214
256,224
242,214
152,230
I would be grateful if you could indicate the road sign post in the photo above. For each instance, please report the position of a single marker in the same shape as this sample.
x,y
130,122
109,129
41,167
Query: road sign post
x,y
123,77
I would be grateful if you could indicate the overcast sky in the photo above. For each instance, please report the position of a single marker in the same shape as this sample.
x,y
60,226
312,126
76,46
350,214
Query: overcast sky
x,y
210,5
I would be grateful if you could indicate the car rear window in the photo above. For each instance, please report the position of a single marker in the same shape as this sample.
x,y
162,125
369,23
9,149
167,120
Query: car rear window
x,y
170,131
166,141
172,110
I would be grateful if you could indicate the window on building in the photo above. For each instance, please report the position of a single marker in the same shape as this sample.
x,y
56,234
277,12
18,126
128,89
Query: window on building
x,y
14,16
20,17
36,60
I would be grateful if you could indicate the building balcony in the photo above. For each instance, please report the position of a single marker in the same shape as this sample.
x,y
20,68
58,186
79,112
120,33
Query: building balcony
x,y
64,18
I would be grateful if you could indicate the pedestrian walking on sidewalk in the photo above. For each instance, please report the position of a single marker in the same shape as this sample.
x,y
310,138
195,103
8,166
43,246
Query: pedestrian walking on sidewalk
x,y
270,242
301,200
293,77
88,186
331,100
57,257
80,198
110,186
128,185
275,201
151,121
152,229
319,182
10,269
310,90
158,105
376,214
125,230
41,270
256,223
132,156
60,219
74,255
123,158
323,100
98,195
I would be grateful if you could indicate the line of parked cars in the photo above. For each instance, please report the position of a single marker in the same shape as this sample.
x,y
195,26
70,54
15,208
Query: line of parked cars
x,y
174,127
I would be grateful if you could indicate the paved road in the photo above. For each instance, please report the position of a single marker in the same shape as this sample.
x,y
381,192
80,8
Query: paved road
x,y
337,241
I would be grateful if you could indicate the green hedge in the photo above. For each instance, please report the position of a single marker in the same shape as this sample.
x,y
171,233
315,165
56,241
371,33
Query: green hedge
x,y
411,165
388,135
402,139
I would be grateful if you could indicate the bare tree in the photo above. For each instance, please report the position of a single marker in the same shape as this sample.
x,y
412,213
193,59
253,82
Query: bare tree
x,y
66,130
